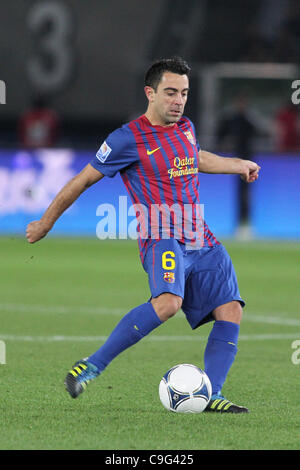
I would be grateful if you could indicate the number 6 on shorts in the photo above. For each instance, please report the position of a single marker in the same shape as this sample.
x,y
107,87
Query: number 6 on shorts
x,y
168,261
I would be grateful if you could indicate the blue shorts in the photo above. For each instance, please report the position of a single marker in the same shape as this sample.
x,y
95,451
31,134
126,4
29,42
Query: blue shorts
x,y
204,279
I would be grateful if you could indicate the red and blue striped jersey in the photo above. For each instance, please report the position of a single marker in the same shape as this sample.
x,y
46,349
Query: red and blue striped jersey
x,y
159,167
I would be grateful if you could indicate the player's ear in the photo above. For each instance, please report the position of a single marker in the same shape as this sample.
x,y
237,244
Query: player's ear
x,y
149,92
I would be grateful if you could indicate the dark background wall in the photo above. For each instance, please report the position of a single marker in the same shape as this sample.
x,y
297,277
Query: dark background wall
x,y
88,56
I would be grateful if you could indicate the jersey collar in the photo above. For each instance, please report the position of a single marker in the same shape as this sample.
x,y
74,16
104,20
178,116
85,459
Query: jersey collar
x,y
168,129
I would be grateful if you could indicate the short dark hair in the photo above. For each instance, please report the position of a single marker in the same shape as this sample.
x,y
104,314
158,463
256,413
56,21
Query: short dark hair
x,y
155,72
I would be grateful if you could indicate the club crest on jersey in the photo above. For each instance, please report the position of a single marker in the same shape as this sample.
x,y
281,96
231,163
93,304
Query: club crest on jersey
x,y
169,277
190,137
103,152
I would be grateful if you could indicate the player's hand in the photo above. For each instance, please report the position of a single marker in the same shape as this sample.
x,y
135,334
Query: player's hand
x,y
36,230
249,171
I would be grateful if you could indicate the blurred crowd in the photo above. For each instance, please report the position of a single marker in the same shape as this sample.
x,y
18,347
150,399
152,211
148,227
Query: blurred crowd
x,y
275,35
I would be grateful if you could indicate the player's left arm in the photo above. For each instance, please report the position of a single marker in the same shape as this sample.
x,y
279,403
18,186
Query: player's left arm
x,y
212,163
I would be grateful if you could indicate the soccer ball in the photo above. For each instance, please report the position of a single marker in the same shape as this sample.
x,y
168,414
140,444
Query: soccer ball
x,y
185,389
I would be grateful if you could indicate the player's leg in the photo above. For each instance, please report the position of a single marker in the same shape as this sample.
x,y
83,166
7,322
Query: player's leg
x,y
141,320
165,302
212,294
220,353
222,342
221,348
136,324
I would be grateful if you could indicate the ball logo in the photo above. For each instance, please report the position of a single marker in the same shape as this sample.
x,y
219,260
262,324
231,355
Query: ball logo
x,y
2,92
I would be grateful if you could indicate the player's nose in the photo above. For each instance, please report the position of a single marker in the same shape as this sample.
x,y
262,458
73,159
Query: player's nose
x,y
179,100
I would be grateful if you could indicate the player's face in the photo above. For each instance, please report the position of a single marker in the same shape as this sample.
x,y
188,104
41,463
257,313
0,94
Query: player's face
x,y
168,101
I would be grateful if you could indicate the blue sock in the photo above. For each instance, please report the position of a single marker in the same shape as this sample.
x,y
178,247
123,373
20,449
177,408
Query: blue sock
x,y
134,326
220,352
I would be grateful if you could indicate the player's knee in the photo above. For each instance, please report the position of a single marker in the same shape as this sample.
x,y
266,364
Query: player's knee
x,y
166,305
174,304
237,312
232,311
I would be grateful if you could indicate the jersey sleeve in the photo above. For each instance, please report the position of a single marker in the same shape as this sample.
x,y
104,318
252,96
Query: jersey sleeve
x,y
116,153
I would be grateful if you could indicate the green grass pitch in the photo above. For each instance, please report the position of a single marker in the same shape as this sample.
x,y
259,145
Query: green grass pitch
x,y
60,298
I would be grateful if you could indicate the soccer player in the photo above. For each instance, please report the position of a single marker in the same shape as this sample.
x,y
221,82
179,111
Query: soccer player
x,y
158,157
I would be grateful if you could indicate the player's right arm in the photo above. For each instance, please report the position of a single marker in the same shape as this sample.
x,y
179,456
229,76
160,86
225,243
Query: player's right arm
x,y
68,194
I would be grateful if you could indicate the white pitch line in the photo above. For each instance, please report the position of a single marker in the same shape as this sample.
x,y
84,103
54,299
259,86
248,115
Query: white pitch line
x,y
163,338
60,309
271,320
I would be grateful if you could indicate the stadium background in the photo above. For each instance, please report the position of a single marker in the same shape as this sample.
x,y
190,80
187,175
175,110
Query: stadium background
x,y
85,61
